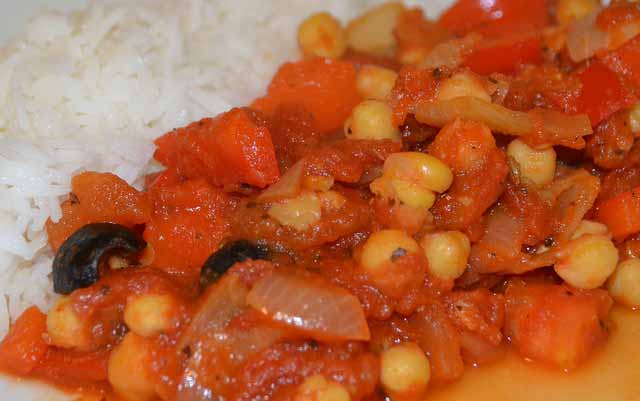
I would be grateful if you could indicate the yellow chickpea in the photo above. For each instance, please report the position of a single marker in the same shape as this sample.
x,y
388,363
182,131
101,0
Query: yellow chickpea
x,y
372,32
128,369
587,261
462,84
372,119
65,328
447,253
375,82
634,118
317,388
300,212
150,314
590,227
538,166
321,35
571,10
624,284
384,246
405,372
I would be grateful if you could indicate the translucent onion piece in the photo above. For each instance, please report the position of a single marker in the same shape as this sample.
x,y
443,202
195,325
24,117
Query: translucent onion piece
x,y
313,307
541,126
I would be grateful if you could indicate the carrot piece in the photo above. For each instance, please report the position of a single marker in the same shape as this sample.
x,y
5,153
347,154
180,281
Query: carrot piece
x,y
98,197
24,347
626,61
68,367
324,87
621,213
233,148
189,222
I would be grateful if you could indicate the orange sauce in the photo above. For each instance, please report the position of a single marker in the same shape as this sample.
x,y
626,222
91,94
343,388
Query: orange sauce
x,y
613,374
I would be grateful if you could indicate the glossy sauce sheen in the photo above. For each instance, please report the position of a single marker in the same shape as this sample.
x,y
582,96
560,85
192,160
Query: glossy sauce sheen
x,y
613,374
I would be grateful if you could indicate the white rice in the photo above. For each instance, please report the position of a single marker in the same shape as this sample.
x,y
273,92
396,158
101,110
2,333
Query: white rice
x,y
90,91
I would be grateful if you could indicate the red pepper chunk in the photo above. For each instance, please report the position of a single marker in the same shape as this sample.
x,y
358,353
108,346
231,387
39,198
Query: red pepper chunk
x,y
621,213
505,57
233,148
495,17
602,93
626,61
24,347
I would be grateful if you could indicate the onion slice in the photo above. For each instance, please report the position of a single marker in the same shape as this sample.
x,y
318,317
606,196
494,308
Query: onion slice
x,y
540,126
221,302
288,186
313,307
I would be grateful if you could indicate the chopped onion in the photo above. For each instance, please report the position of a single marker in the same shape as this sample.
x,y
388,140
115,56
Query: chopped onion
x,y
288,186
585,39
541,126
313,307
221,302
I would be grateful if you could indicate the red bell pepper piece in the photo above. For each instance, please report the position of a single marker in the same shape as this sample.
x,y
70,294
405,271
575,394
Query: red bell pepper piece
x,y
602,93
505,57
621,213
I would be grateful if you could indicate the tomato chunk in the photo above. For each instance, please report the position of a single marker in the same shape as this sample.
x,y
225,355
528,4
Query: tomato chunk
x,y
553,323
602,93
626,60
479,168
231,149
505,57
621,213
495,17
189,222
98,197
326,88
24,347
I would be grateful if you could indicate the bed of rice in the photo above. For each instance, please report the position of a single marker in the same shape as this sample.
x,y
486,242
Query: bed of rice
x,y
90,90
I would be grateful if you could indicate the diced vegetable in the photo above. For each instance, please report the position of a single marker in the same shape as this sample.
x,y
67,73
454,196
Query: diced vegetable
x,y
327,89
24,347
315,308
621,213
233,148
99,197
555,323
505,56
189,221
495,18
602,93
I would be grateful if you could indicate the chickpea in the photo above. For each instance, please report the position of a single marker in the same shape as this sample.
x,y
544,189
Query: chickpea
x,y
571,10
375,82
538,166
624,284
634,118
65,328
405,372
128,369
587,261
462,84
372,119
321,35
590,227
421,168
300,212
383,246
317,388
372,32
149,315
318,183
447,253
413,194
